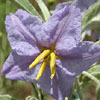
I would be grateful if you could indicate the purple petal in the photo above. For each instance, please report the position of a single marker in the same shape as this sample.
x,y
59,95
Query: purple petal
x,y
82,49
19,36
62,5
83,5
16,68
70,25
28,19
65,22
45,33
60,86
71,32
81,58
67,69
65,46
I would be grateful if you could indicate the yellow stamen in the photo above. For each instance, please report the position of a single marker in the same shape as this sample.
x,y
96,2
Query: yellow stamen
x,y
41,70
39,58
52,64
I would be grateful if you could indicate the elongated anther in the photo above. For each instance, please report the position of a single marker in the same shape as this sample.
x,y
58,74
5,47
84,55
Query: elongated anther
x,y
39,58
52,64
41,70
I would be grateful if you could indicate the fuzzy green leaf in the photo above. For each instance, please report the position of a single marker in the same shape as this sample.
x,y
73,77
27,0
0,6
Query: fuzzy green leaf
x,y
94,23
44,9
91,12
30,98
28,7
6,97
98,92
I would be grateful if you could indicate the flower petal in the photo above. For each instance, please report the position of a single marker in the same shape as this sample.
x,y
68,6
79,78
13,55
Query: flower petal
x,y
60,6
45,33
16,68
67,69
65,46
70,29
65,22
19,36
83,5
60,86
81,58
28,20
82,50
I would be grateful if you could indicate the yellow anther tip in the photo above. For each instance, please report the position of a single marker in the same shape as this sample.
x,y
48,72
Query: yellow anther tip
x,y
52,76
31,66
37,78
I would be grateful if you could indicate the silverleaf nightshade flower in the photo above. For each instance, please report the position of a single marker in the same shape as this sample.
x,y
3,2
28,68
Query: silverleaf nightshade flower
x,y
52,49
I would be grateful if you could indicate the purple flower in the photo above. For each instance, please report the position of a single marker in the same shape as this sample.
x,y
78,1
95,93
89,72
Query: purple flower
x,y
53,47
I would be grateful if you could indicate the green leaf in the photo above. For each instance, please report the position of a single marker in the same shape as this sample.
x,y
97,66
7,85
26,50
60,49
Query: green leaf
x,y
6,97
28,7
74,96
91,77
98,92
95,69
44,9
94,23
98,42
79,89
30,98
35,90
91,12
42,95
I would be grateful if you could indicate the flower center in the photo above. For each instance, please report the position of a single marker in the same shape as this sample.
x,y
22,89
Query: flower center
x,y
46,55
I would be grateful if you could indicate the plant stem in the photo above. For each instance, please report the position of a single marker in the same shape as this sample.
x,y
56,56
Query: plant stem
x,y
35,91
42,95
